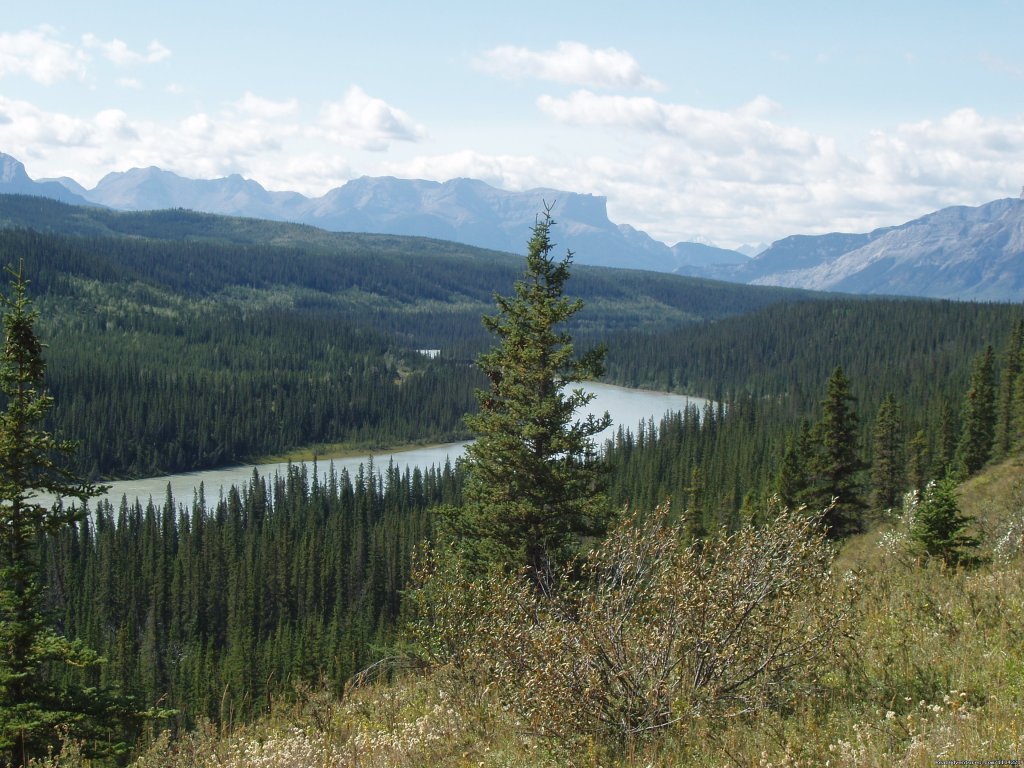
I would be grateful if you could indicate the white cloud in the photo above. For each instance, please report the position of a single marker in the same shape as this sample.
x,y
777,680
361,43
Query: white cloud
x,y
27,125
570,62
366,122
258,107
673,170
949,152
512,172
726,134
114,123
199,146
118,52
39,54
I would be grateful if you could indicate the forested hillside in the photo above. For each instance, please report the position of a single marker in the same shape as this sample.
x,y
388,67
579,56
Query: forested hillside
x,y
181,341
771,368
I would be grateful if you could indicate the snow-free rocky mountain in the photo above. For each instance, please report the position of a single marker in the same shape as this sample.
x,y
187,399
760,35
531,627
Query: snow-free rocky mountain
x,y
960,253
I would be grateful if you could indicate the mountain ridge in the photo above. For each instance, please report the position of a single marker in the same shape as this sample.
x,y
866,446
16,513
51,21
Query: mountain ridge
x,y
463,210
959,252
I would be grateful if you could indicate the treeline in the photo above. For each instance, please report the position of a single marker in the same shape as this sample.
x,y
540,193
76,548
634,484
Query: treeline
x,y
893,429
213,607
918,348
151,394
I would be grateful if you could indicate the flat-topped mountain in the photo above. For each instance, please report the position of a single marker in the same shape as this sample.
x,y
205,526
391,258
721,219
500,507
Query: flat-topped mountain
x,y
466,211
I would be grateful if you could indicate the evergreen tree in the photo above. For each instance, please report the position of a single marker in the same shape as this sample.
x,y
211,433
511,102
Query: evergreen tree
x,y
1017,439
949,435
1013,364
836,465
32,700
979,416
534,484
793,479
695,527
938,526
917,460
888,468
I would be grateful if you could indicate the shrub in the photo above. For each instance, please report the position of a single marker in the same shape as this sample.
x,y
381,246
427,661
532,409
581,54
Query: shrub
x,y
650,632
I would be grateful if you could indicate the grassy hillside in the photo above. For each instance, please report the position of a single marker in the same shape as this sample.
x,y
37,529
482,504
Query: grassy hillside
x,y
931,668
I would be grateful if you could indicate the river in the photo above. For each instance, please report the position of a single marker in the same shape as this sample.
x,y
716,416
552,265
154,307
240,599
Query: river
x,y
627,407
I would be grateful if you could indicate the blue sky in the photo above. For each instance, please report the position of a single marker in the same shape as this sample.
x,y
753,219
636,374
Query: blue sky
x,y
726,122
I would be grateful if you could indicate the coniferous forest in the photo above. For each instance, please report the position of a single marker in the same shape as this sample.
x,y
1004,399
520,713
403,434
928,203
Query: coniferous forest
x,y
177,341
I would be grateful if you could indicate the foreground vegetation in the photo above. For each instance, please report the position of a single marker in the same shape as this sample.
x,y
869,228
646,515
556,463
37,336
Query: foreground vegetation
x,y
930,667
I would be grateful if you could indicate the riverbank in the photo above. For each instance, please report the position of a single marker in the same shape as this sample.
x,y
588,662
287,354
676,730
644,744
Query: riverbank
x,y
628,408
334,451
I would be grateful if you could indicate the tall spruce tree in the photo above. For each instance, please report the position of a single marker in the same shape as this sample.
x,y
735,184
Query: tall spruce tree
x,y
534,484
978,417
793,481
917,460
889,466
1013,364
837,464
33,657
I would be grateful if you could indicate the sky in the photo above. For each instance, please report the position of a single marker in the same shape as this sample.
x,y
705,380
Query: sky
x,y
724,122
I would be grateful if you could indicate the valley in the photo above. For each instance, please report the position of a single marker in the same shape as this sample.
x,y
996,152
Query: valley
x,y
181,342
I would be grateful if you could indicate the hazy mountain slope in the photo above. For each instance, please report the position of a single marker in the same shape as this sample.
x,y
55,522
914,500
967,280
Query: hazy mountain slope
x,y
210,253
462,210
14,180
960,252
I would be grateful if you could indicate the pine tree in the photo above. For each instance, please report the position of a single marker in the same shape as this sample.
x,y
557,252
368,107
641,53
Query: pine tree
x,y
1017,429
938,525
534,484
978,416
695,527
1013,364
949,435
837,465
33,701
917,460
793,481
888,468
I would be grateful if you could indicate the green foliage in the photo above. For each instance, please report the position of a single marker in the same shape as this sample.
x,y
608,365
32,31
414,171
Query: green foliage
x,y
836,463
938,526
534,480
978,416
33,700
888,460
653,633
213,608
1009,380
794,475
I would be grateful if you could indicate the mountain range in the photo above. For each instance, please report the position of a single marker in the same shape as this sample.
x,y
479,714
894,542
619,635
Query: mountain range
x,y
959,253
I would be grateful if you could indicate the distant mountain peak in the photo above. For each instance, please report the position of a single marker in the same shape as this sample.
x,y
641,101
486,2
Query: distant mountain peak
x,y
15,180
